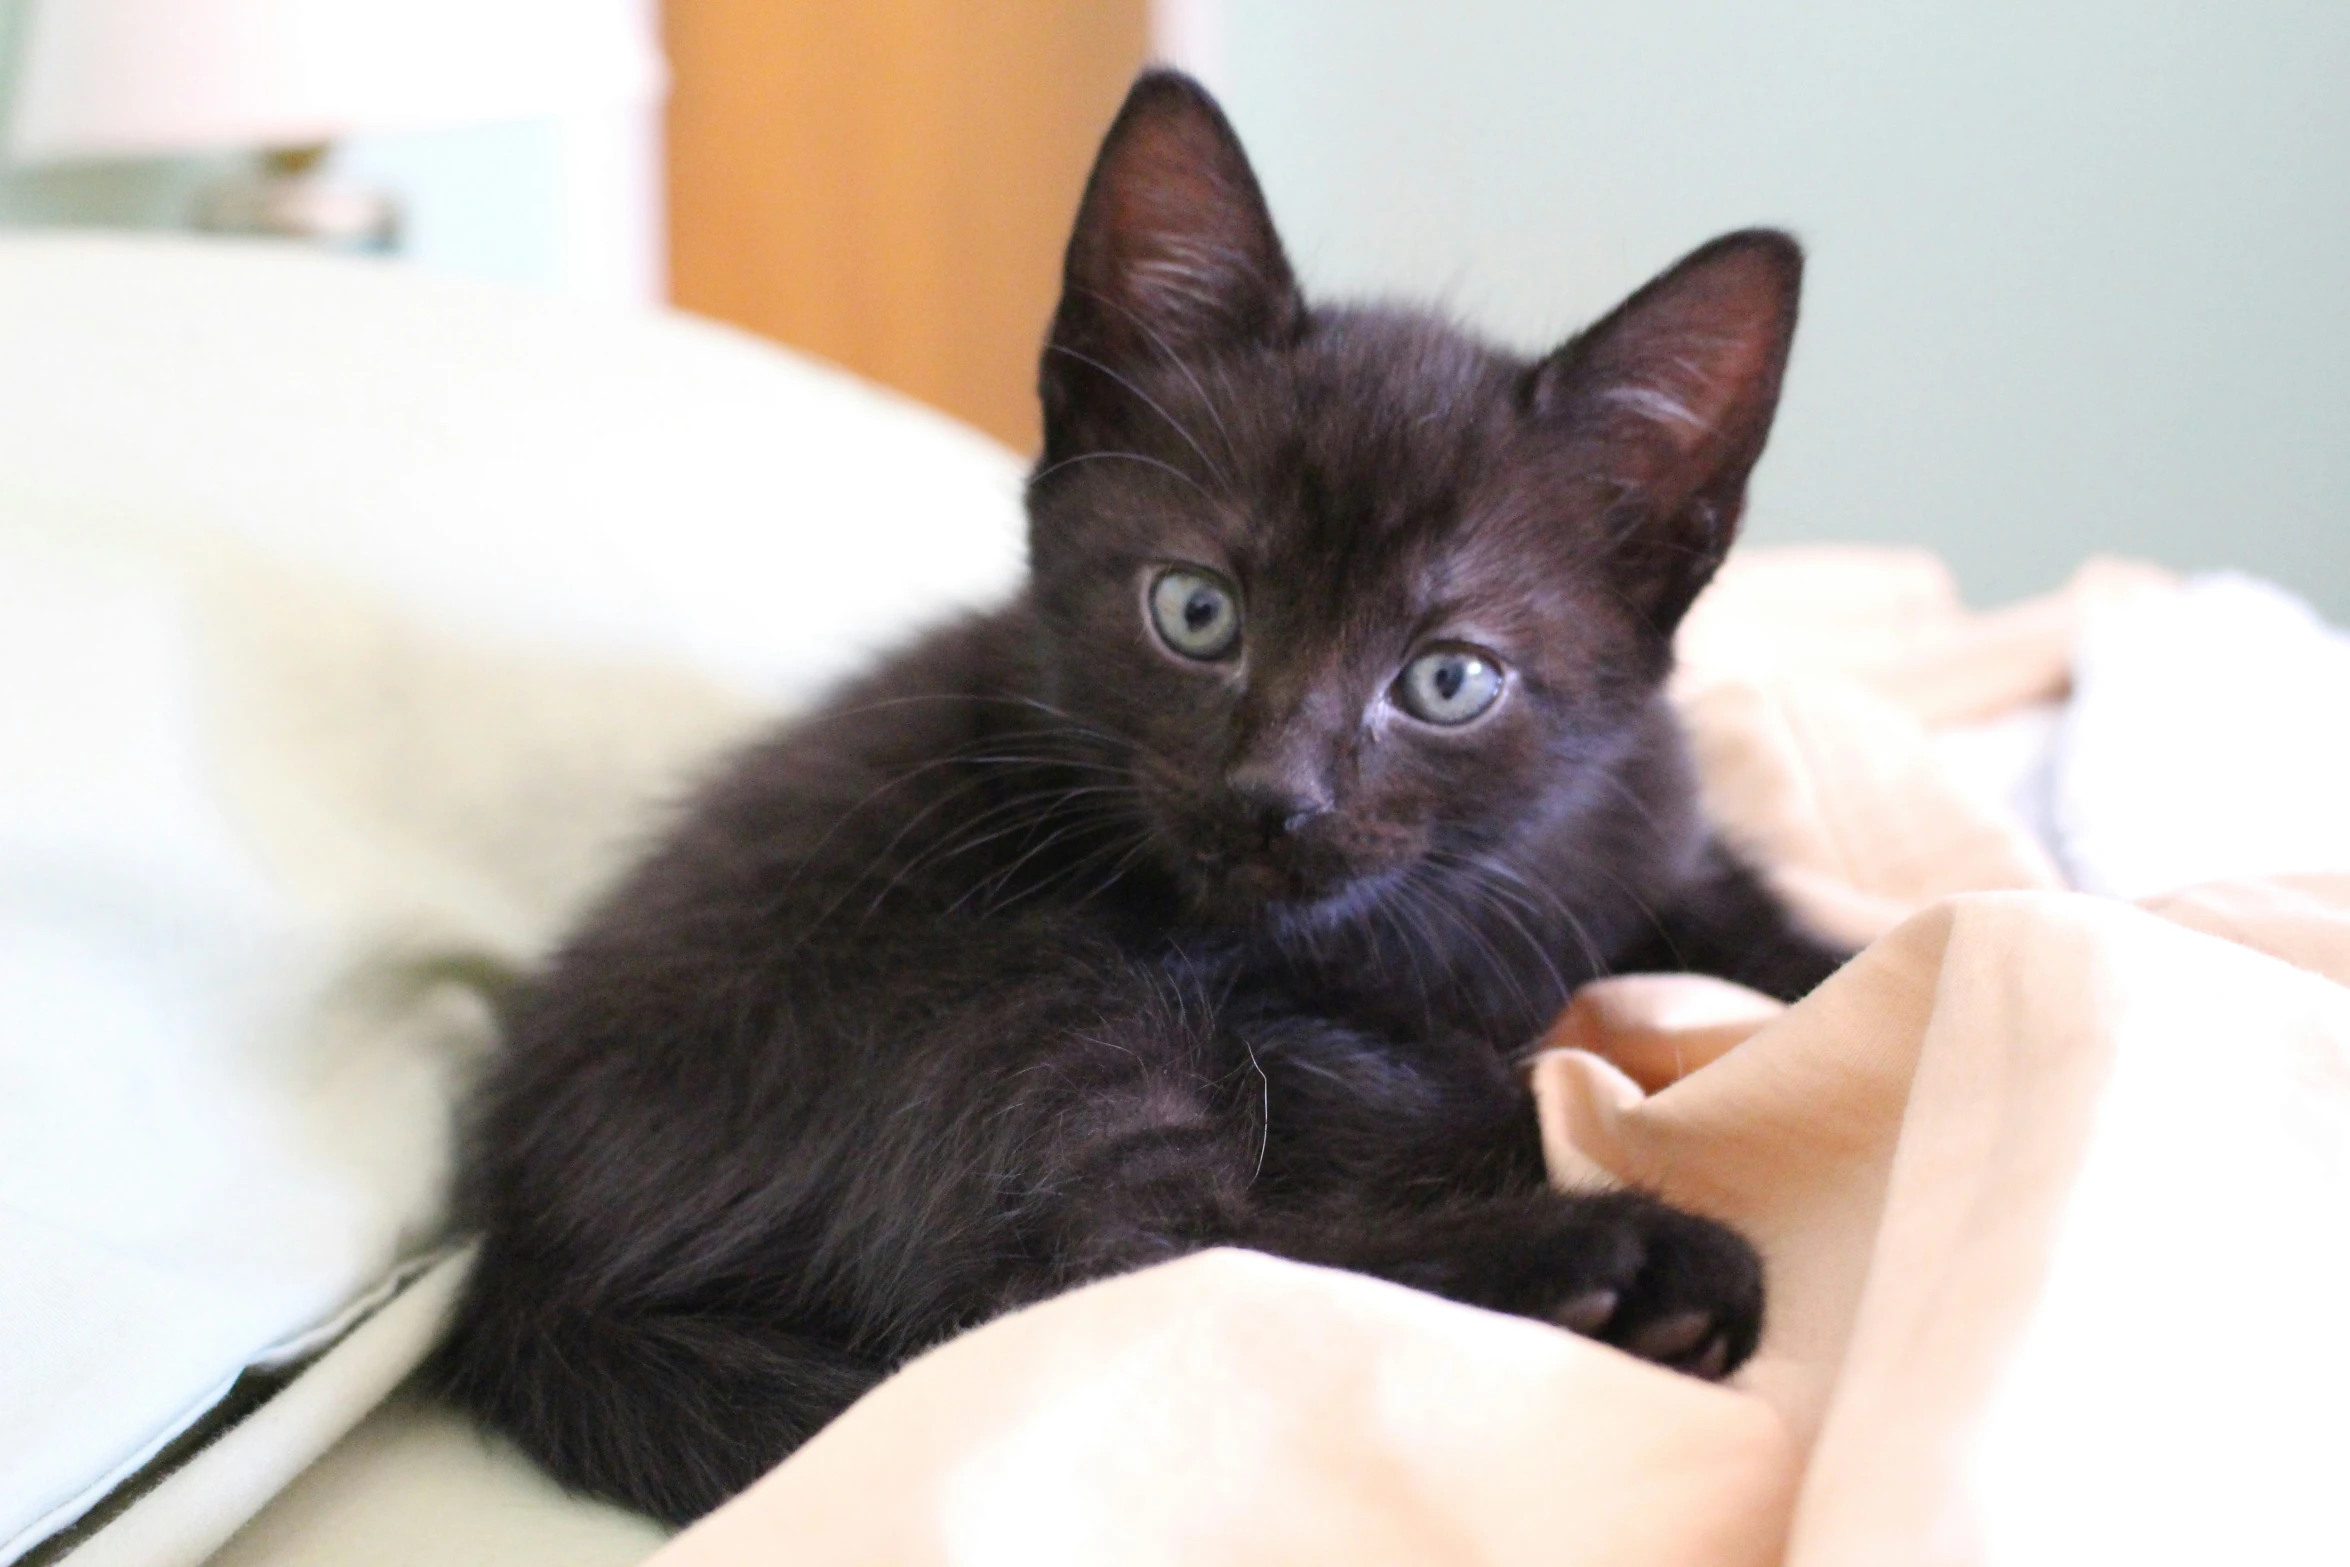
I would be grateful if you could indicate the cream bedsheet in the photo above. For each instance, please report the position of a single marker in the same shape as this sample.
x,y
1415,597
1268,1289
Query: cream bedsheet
x,y
2054,1193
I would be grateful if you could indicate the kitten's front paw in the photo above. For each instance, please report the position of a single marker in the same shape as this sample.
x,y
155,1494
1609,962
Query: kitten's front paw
x,y
1665,1285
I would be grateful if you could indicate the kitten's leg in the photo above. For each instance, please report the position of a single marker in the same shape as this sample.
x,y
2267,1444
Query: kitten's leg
x,y
1619,1267
1725,922
1162,1128
1421,1163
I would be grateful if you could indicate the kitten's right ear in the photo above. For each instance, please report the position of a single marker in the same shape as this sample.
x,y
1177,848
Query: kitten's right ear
x,y
1174,252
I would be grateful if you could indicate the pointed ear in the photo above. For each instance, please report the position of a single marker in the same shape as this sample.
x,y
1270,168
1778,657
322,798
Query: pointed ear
x,y
1174,251
1673,393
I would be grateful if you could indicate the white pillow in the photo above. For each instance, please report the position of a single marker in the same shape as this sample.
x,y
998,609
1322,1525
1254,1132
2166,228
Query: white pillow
x,y
539,465
349,619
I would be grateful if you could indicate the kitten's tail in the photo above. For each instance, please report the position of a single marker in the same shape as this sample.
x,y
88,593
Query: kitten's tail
x,y
668,1413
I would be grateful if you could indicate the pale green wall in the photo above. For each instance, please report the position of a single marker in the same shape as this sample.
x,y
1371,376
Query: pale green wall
x,y
2080,268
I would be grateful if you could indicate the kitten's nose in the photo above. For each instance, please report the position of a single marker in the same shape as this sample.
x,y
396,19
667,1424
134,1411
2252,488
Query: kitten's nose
x,y
1279,800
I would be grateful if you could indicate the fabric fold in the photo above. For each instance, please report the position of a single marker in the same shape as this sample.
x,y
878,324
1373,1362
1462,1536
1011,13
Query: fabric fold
x,y
1987,1165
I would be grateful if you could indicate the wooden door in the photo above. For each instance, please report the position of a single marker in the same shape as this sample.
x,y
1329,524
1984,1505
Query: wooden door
x,y
888,184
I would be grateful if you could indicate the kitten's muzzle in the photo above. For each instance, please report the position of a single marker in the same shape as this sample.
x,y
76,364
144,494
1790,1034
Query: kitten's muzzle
x,y
1267,842
1277,802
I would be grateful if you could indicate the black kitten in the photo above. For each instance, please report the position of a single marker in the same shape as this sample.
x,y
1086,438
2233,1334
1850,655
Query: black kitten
x,y
1201,896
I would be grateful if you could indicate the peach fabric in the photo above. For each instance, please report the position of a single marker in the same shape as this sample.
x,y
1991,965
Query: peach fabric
x,y
2053,1193
1230,1408
1982,1163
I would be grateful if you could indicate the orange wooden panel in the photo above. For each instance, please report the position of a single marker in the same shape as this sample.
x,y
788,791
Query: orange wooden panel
x,y
889,183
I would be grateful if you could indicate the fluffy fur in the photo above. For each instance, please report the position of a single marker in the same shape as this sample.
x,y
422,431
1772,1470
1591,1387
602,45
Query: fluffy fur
x,y
1047,952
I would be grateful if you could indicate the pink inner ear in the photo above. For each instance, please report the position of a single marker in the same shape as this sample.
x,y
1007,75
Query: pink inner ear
x,y
1174,248
1659,406
1688,384
1688,381
1697,354
1170,260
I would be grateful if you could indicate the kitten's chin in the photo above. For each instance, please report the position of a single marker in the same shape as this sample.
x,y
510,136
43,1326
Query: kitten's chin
x,y
1238,895
1256,894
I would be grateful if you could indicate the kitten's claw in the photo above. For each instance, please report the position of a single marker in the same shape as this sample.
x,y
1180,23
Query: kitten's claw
x,y
1667,1286
1588,1312
1670,1338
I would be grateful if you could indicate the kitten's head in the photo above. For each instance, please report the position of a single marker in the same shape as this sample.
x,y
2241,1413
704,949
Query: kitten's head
x,y
1361,595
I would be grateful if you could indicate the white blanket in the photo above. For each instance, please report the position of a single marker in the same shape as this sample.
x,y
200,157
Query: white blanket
x,y
2208,737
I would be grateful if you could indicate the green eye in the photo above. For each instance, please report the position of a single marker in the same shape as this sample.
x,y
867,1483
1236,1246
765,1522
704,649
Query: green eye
x,y
1195,614
1449,686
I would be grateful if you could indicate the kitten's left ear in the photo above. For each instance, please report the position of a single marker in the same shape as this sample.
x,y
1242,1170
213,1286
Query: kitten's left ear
x,y
1673,394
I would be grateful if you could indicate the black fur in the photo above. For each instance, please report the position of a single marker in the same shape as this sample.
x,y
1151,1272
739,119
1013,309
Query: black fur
x,y
1046,952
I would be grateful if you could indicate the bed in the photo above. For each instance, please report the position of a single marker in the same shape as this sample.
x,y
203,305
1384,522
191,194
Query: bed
x,y
362,622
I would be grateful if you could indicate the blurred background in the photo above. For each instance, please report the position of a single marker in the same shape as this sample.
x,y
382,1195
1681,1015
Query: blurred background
x,y
2080,268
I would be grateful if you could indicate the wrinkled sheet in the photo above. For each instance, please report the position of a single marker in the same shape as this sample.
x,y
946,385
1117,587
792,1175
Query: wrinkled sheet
x,y
2053,1190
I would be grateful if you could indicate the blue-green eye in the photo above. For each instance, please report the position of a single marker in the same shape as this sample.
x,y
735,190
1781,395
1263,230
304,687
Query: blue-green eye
x,y
1195,614
1450,685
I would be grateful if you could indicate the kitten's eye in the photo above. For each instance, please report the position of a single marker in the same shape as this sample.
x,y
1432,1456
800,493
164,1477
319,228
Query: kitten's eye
x,y
1449,686
1195,614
